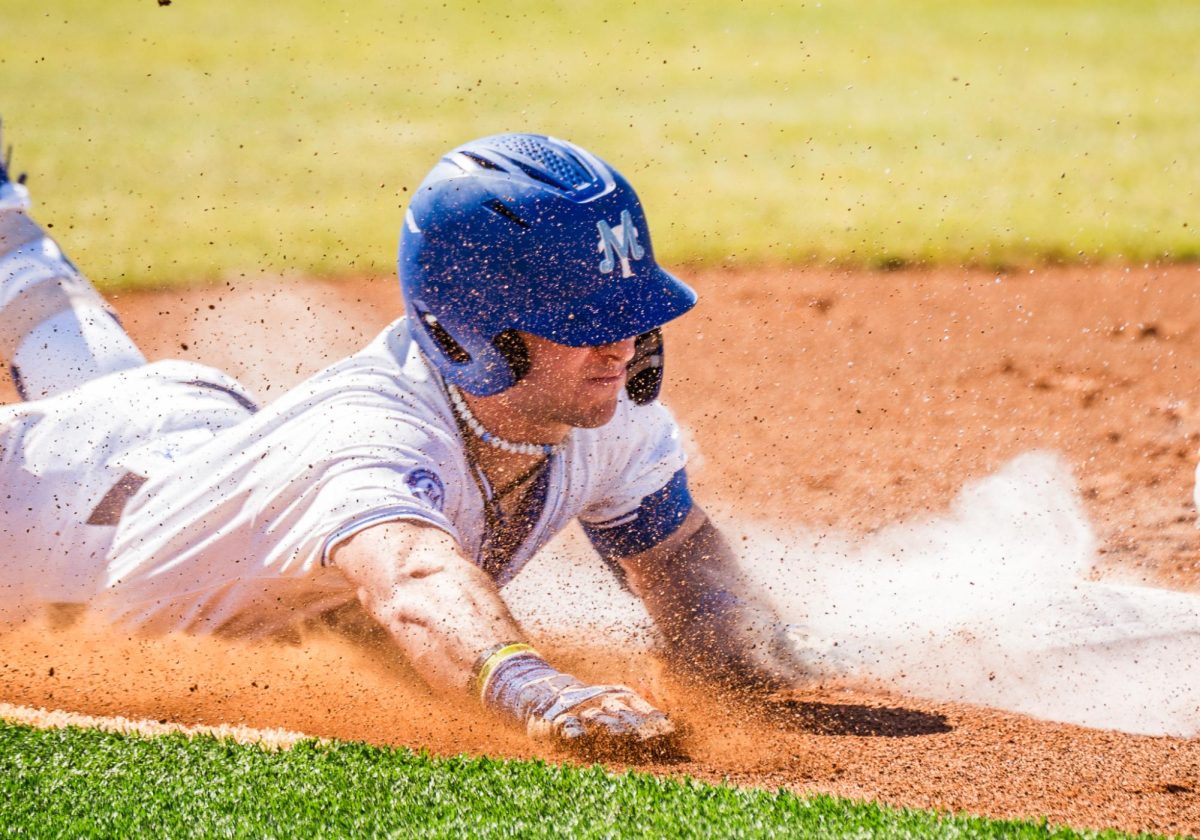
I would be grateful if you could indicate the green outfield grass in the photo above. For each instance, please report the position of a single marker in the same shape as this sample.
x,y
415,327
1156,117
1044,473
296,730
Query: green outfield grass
x,y
76,783
197,141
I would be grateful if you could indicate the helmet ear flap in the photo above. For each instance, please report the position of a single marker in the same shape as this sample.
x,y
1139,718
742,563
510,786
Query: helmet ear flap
x,y
645,370
512,347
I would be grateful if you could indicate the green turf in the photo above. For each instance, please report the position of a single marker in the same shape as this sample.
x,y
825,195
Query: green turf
x,y
207,140
86,783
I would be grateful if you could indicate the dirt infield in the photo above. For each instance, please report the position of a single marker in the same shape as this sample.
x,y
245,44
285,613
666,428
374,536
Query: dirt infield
x,y
846,401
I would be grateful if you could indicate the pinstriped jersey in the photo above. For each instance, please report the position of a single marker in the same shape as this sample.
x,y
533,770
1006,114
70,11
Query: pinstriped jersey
x,y
239,531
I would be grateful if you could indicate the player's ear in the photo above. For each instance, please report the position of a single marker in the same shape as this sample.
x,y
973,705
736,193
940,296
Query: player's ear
x,y
645,376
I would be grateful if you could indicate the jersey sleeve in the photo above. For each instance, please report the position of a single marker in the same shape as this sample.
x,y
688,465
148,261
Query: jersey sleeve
x,y
645,495
256,511
357,472
358,499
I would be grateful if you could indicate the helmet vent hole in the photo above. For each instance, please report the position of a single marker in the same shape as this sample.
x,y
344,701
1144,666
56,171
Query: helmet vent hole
x,y
481,161
501,209
543,176
551,165
445,342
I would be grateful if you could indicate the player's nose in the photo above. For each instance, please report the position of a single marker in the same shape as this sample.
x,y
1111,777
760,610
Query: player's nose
x,y
619,351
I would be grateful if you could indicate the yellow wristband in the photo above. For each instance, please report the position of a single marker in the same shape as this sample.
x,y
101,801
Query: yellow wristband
x,y
489,664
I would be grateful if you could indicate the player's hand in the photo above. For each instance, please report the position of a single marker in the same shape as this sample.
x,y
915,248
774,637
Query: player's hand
x,y
602,719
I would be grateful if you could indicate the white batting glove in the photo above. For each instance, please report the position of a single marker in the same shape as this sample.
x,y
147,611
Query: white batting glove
x,y
600,719
598,716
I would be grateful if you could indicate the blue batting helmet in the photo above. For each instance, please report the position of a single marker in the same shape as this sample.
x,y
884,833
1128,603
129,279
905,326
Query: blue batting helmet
x,y
523,232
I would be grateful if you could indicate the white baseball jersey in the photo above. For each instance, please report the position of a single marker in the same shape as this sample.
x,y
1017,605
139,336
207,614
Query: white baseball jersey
x,y
239,511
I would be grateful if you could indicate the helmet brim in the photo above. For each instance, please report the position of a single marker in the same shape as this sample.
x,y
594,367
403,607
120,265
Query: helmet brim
x,y
623,308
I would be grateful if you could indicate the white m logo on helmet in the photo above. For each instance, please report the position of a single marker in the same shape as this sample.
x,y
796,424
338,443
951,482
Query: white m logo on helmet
x,y
621,243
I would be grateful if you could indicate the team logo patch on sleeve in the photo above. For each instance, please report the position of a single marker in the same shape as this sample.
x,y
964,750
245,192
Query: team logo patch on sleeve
x,y
427,487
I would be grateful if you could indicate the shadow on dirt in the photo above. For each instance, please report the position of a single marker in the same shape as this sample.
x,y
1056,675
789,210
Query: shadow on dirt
x,y
856,719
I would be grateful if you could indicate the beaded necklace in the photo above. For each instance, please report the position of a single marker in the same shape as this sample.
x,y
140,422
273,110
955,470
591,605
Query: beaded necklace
x,y
463,411
503,535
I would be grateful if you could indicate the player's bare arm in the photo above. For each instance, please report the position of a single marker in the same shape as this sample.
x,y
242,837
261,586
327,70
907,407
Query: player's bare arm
x,y
715,623
446,616
437,605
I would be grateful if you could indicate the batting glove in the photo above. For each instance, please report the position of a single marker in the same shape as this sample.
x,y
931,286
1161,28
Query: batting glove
x,y
515,681
598,717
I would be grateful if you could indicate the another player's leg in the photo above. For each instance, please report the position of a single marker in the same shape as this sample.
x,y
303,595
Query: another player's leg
x,y
56,331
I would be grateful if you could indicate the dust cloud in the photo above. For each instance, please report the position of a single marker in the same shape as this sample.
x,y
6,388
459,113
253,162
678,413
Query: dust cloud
x,y
993,603
996,602
301,328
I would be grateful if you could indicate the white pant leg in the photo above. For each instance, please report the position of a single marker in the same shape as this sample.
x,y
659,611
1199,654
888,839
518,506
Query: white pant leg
x,y
56,330
63,459
49,483
70,348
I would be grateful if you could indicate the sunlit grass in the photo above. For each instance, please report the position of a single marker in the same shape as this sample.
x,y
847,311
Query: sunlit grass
x,y
76,783
199,140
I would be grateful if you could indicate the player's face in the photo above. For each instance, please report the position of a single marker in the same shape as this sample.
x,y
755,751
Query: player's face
x,y
571,386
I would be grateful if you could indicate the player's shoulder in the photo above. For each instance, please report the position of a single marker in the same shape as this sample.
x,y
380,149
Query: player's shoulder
x,y
384,391
390,350
390,369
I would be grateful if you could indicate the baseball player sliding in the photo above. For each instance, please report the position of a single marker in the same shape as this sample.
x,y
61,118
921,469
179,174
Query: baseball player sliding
x,y
518,392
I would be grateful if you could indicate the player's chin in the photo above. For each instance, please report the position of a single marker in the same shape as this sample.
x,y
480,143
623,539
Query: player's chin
x,y
596,402
595,415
